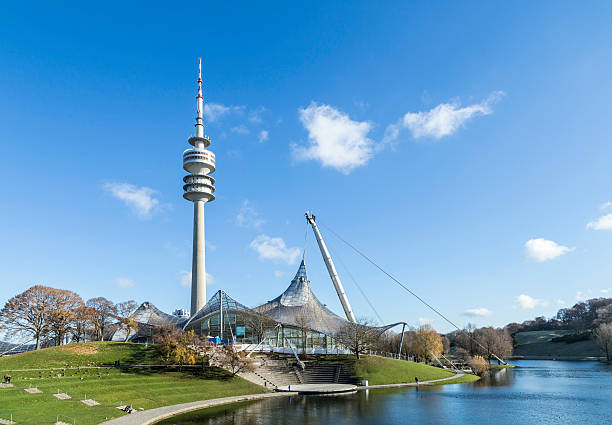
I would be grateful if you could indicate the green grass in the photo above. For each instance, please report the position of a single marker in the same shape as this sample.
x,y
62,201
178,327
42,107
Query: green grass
x,y
460,380
142,388
83,354
539,336
381,370
538,344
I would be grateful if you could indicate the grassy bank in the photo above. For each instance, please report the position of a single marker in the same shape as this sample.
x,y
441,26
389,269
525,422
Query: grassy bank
x,y
143,388
539,344
381,370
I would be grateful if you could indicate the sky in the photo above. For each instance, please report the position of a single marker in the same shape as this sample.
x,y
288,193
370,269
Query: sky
x,y
463,146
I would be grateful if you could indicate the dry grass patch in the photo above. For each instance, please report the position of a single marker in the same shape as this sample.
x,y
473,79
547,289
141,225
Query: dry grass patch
x,y
81,349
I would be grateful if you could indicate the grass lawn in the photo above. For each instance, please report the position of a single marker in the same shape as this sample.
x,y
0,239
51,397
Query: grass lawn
x,y
142,388
381,370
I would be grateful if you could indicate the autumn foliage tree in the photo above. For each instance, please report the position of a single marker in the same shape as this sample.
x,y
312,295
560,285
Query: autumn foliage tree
x,y
102,313
63,313
427,343
29,313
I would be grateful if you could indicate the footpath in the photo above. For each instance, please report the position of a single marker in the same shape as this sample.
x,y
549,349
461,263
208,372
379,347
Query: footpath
x,y
149,417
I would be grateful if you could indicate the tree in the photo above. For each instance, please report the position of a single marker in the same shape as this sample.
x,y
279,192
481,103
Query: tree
x,y
62,315
181,348
465,341
102,313
479,365
235,361
125,315
603,337
358,337
427,343
83,324
258,324
28,313
445,345
301,322
493,342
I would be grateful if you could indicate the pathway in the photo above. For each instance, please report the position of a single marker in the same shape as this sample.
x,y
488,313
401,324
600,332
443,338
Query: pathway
x,y
149,417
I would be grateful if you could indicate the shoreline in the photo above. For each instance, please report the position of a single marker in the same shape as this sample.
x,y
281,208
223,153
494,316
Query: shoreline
x,y
153,416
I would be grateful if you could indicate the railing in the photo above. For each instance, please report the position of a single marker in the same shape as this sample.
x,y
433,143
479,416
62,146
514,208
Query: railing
x,y
390,355
57,419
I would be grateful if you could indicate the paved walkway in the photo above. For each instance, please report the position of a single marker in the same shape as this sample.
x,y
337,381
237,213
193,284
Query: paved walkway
x,y
148,417
318,388
411,384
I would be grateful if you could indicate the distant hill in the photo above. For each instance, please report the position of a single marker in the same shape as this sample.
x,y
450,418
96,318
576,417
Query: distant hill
x,y
539,345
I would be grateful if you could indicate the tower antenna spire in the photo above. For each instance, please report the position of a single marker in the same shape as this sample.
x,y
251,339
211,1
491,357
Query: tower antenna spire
x,y
199,188
199,77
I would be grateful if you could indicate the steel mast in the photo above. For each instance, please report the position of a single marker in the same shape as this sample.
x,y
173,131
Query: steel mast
x,y
331,269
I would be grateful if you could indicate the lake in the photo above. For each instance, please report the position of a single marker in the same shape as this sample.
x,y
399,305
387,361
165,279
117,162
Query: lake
x,y
535,392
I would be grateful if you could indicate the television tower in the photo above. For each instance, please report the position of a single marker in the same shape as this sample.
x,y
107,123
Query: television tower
x,y
199,189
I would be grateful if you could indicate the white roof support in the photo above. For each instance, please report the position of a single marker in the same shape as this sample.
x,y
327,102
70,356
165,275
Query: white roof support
x,y
331,269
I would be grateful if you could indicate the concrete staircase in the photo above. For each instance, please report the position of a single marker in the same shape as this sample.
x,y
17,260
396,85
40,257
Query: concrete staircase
x,y
276,372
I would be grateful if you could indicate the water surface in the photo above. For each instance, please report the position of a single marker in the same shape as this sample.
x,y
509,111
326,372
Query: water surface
x,y
536,392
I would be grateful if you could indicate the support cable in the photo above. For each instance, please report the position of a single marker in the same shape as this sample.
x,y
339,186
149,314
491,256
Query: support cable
x,y
390,276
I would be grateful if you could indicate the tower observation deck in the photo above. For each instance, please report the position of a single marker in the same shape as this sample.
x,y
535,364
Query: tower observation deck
x,y
199,188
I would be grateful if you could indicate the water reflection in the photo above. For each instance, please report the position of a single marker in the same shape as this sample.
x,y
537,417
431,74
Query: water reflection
x,y
538,392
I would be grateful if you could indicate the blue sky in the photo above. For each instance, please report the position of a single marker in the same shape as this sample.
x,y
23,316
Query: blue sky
x,y
465,146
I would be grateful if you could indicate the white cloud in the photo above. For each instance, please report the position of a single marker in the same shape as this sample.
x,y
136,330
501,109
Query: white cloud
x,y
255,115
584,295
441,121
541,249
248,217
526,302
275,249
605,206
124,283
477,312
140,200
559,302
602,223
240,129
263,135
425,320
334,139
215,111
185,278
278,273
605,291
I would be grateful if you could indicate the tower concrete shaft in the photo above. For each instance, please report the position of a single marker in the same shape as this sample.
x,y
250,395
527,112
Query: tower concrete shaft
x,y
199,188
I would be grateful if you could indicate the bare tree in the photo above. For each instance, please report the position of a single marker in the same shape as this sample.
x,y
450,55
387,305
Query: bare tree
x,y
125,315
235,361
301,322
493,342
28,313
102,314
358,337
465,341
603,337
258,324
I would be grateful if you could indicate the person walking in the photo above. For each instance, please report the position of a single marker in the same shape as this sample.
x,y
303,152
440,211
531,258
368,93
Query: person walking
x,y
9,378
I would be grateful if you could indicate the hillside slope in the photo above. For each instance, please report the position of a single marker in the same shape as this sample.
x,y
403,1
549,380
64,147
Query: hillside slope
x,y
538,344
